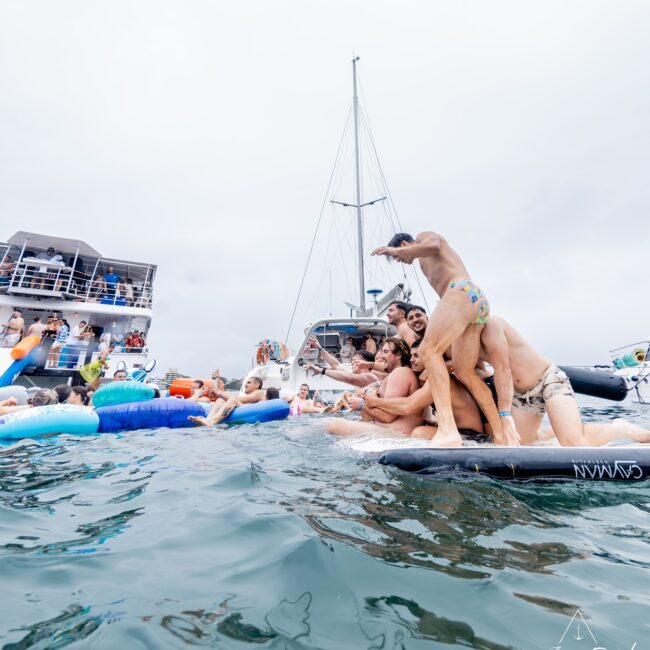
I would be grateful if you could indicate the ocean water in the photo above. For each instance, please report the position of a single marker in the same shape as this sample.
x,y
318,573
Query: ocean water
x,y
279,536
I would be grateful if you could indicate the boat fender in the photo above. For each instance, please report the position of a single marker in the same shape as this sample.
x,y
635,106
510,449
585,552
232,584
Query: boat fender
x,y
596,383
122,392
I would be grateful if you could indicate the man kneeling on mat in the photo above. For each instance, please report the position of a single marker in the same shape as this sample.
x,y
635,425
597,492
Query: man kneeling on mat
x,y
528,385
224,406
400,382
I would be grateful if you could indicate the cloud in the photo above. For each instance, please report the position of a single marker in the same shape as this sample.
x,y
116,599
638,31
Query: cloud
x,y
201,136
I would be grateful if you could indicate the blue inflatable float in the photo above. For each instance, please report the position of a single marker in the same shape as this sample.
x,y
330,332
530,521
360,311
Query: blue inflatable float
x,y
122,392
150,414
266,411
46,420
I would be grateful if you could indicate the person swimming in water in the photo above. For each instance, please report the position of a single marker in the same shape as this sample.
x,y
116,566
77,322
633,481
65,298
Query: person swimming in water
x,y
457,321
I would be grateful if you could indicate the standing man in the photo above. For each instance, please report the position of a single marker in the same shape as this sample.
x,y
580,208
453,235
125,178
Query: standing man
x,y
111,280
36,328
457,321
348,350
13,329
396,316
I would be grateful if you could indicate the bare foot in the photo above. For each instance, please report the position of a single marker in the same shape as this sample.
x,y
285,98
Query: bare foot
x,y
199,421
632,431
446,439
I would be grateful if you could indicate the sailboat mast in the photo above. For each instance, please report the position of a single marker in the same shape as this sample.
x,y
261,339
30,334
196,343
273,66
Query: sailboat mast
x,y
357,167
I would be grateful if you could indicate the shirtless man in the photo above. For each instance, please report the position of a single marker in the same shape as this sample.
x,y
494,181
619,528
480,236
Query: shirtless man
x,y
396,316
401,382
417,320
13,329
466,412
456,321
529,382
36,328
223,407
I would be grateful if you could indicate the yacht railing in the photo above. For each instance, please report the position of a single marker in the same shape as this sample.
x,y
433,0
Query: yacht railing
x,y
73,357
97,280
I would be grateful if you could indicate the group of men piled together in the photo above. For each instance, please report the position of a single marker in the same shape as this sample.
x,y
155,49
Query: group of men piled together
x,y
459,373
463,371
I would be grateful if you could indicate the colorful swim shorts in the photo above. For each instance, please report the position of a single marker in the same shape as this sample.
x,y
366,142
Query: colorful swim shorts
x,y
553,382
480,302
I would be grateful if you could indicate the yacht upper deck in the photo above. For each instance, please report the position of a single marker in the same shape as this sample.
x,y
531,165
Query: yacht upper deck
x,y
43,267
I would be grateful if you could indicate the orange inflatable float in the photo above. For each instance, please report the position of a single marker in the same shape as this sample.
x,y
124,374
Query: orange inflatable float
x,y
182,386
24,347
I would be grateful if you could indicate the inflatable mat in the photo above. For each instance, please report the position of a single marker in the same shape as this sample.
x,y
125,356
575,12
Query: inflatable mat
x,y
624,463
122,392
150,414
46,420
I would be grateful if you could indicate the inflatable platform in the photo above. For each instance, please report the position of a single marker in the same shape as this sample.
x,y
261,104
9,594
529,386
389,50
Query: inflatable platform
x,y
624,463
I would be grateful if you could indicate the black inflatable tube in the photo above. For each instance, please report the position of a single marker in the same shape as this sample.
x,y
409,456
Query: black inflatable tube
x,y
546,463
596,384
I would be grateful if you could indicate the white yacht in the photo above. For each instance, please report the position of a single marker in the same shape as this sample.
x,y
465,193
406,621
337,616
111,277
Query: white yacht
x,y
280,367
632,362
41,276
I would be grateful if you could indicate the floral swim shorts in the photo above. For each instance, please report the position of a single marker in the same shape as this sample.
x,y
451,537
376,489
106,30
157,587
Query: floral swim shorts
x,y
480,302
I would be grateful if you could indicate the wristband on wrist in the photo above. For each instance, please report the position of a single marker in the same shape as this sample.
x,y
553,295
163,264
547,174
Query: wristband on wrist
x,y
504,414
322,372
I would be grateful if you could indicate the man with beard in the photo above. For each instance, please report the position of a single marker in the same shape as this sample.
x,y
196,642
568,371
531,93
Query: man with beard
x,y
396,316
400,382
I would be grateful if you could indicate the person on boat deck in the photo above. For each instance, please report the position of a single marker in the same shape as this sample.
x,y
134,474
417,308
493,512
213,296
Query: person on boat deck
x,y
528,385
417,320
62,336
355,377
457,321
227,401
400,382
396,316
348,350
36,328
369,344
41,273
466,411
13,329
111,281
6,269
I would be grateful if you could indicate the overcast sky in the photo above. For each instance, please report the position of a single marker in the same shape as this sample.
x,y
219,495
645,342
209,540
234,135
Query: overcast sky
x,y
200,136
